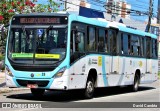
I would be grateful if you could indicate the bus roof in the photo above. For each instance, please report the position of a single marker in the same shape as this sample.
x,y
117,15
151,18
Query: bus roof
x,y
42,14
94,21
104,23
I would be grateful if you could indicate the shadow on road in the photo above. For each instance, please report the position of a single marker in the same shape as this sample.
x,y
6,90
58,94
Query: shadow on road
x,y
69,96
2,84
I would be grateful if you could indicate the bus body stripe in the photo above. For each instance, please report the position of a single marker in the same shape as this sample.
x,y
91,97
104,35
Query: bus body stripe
x,y
104,71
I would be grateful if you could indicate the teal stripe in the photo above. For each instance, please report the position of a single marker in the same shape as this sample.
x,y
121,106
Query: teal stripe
x,y
14,79
50,83
104,71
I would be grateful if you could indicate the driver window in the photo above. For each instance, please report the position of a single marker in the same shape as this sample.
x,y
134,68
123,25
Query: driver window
x,y
79,46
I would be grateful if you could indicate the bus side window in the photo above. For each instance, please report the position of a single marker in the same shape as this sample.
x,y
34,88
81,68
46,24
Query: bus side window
x,y
101,40
129,44
138,46
122,50
135,45
106,42
124,43
154,48
148,47
142,46
113,41
91,39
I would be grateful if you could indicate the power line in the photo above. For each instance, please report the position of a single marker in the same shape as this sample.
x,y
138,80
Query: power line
x,y
98,1
134,5
139,13
142,2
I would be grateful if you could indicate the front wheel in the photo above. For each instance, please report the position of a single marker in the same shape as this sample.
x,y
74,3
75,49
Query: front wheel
x,y
37,92
89,90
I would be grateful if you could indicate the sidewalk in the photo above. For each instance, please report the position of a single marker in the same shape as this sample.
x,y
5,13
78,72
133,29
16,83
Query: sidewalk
x,y
2,79
3,88
2,75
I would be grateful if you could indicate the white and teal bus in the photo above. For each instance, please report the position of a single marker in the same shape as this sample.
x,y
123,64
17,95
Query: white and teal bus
x,y
66,51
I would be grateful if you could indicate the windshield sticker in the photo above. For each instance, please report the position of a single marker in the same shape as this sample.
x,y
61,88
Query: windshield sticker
x,y
39,56
47,56
22,55
40,32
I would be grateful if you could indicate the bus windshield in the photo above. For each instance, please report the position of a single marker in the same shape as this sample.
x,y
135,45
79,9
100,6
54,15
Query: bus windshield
x,y
37,45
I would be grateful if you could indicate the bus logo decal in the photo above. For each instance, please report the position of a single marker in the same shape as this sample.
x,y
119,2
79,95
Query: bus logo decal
x,y
32,75
99,61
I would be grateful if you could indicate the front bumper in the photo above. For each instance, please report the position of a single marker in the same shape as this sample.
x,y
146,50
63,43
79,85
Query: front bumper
x,y
52,83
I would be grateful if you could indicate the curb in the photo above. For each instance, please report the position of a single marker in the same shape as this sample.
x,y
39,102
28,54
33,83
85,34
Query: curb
x,y
7,89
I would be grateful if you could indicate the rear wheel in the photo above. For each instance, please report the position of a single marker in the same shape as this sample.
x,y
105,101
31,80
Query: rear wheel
x,y
89,90
37,92
135,85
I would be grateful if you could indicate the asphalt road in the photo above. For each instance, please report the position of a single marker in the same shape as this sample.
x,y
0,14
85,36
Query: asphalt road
x,y
146,93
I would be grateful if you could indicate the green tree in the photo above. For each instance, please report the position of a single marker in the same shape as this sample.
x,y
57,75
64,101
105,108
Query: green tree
x,y
8,8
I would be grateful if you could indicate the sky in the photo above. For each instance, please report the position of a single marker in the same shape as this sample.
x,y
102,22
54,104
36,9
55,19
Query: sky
x,y
141,5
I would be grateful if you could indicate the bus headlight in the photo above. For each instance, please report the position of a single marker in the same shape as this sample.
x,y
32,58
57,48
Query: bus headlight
x,y
8,71
60,72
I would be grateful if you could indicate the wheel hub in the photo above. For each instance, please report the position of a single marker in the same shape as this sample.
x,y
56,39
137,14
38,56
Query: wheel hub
x,y
90,87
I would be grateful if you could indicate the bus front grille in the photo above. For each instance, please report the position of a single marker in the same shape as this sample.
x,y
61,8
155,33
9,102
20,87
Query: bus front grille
x,y
39,83
33,68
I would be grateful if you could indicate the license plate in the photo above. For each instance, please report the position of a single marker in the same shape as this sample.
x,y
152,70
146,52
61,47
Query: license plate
x,y
32,85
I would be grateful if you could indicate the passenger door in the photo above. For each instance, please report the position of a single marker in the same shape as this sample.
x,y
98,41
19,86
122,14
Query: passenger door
x,y
76,58
148,75
113,76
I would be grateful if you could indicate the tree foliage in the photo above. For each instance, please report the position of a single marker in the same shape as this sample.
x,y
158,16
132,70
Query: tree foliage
x,y
8,8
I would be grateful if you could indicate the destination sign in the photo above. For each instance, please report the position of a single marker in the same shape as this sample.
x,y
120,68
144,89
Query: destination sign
x,y
35,20
40,20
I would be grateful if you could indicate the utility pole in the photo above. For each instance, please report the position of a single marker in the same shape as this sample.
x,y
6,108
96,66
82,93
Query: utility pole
x,y
158,14
65,5
150,15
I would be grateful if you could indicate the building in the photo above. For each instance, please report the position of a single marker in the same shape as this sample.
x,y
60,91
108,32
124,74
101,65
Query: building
x,y
73,5
118,8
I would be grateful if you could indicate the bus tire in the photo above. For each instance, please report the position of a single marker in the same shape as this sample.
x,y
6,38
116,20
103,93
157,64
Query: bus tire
x,y
89,90
135,85
37,92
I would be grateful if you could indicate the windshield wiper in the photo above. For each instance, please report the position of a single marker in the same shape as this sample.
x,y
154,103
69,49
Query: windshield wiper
x,y
50,28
